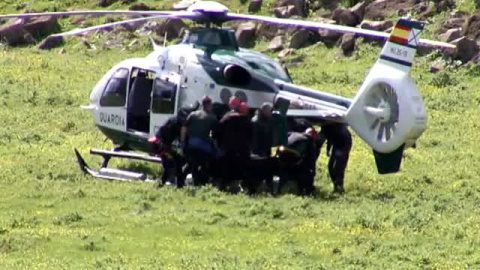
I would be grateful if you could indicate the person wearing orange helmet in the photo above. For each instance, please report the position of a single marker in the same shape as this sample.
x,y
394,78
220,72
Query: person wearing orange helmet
x,y
234,138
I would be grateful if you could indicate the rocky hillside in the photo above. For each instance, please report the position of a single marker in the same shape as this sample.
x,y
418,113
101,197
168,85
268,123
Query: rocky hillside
x,y
452,21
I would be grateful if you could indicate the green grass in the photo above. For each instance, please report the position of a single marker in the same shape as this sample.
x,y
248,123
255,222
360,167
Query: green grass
x,y
54,217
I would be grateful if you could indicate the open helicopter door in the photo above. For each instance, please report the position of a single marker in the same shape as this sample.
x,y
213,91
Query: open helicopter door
x,y
164,103
139,99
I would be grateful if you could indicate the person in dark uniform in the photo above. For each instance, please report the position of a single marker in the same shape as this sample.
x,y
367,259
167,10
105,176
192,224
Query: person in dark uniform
x,y
167,143
299,159
234,138
339,144
199,146
262,166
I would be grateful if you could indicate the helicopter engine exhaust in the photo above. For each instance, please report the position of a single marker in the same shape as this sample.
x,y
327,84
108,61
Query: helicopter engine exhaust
x,y
236,75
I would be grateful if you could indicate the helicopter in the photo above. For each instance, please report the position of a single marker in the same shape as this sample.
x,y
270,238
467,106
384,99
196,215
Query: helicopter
x,y
137,96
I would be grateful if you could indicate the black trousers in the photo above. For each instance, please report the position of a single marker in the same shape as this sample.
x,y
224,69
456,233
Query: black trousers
x,y
173,163
337,165
303,174
199,162
233,166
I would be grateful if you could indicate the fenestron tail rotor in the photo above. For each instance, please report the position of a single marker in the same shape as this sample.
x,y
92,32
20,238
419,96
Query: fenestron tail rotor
x,y
382,107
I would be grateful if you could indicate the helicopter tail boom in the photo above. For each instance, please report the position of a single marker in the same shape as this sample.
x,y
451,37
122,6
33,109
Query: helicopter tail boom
x,y
388,111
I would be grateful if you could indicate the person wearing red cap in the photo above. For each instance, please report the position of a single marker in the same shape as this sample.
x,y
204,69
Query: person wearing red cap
x,y
234,137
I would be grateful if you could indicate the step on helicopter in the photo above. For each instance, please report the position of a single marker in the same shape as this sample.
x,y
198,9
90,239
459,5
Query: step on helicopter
x,y
135,97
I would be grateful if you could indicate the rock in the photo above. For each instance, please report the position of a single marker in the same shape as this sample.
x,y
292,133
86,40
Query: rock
x,y
78,19
42,26
466,49
173,28
359,10
376,25
299,39
451,23
437,65
13,33
255,6
276,44
345,17
140,6
381,9
451,35
299,5
183,5
285,12
105,3
267,30
150,26
471,27
62,51
347,44
87,44
285,52
245,34
29,39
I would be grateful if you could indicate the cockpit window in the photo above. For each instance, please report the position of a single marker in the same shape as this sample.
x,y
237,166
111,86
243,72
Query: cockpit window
x,y
216,38
115,93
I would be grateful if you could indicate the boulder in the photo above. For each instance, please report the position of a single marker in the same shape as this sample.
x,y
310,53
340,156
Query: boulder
x,y
285,52
183,5
466,49
381,9
471,27
347,44
359,10
276,44
300,39
268,30
437,65
42,26
172,28
376,25
140,6
13,33
299,5
345,17
105,3
285,12
451,35
50,43
78,19
255,6
245,34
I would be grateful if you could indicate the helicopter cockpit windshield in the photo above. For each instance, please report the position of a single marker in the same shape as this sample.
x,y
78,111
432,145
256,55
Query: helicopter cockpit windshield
x,y
212,38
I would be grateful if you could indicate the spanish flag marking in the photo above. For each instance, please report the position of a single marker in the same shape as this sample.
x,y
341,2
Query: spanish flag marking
x,y
400,34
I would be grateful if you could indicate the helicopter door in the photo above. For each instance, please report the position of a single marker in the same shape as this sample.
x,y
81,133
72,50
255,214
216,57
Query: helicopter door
x,y
139,99
111,114
164,99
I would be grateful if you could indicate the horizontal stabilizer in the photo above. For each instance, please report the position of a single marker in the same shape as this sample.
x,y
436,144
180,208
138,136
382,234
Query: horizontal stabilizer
x,y
389,162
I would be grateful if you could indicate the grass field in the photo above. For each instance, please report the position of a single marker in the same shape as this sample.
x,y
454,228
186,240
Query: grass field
x,y
54,217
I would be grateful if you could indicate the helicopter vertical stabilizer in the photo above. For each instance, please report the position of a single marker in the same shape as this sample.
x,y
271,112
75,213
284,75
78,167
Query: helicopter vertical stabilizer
x,y
388,111
155,46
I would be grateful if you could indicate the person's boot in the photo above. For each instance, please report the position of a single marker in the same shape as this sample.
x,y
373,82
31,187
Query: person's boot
x,y
338,189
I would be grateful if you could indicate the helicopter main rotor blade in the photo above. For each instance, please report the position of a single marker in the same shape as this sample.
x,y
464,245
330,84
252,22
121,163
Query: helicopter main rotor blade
x,y
80,31
333,27
89,13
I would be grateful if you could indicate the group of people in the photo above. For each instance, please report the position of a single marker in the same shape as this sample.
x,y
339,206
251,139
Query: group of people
x,y
236,147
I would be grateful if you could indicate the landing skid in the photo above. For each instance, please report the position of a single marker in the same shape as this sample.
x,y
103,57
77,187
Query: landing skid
x,y
115,174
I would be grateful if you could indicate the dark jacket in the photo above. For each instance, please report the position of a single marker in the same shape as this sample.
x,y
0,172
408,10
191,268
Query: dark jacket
x,y
234,132
337,136
262,139
170,131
